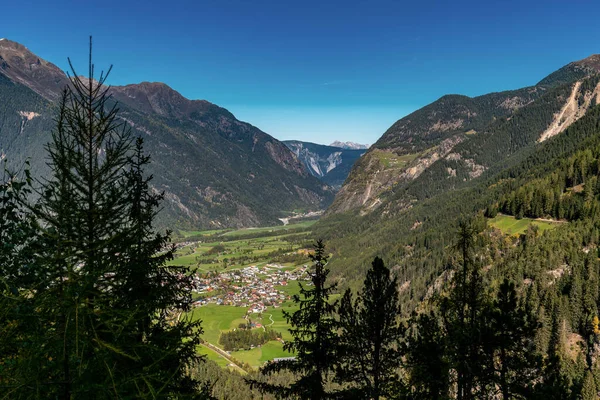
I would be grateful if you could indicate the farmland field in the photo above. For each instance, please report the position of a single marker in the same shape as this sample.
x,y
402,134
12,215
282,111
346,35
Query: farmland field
x,y
218,318
230,250
512,226
220,252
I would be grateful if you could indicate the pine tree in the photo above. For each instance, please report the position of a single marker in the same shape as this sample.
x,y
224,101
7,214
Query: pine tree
x,y
370,352
107,304
555,384
19,324
314,331
512,333
463,313
426,358
589,391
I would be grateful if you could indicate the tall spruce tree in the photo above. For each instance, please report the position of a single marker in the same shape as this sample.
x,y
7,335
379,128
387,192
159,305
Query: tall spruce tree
x,y
516,365
314,330
463,314
108,306
427,361
371,333
20,329
555,384
589,391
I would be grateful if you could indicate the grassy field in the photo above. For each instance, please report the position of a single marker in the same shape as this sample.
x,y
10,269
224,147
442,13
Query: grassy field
x,y
216,319
512,226
245,247
258,356
269,229
213,356
230,250
391,160
187,234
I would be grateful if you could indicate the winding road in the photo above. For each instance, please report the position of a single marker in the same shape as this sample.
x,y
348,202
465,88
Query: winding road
x,y
224,355
272,322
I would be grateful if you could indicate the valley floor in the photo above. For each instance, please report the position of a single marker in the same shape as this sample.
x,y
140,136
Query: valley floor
x,y
245,277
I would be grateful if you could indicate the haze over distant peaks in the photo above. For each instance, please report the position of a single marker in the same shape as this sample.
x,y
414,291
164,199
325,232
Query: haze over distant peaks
x,y
350,145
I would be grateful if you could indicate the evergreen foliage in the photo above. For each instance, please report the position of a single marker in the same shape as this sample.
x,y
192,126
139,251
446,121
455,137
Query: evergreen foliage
x,y
314,330
515,362
477,344
101,308
247,338
371,337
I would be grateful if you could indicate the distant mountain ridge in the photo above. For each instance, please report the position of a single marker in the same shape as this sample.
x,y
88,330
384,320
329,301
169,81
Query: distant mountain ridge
x,y
349,145
404,196
215,171
329,163
467,136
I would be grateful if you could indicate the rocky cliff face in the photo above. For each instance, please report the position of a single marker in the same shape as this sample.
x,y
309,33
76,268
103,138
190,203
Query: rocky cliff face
x,y
458,138
215,170
330,164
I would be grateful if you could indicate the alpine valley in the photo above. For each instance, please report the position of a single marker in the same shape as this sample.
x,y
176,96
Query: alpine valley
x,y
500,190
215,171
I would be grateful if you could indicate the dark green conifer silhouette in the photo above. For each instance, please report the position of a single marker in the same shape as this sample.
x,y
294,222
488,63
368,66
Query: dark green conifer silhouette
x,y
108,309
426,358
555,383
515,362
371,334
314,330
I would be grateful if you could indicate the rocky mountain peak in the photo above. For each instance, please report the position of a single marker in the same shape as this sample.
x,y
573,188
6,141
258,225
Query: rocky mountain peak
x,y
349,145
591,62
160,98
20,65
573,71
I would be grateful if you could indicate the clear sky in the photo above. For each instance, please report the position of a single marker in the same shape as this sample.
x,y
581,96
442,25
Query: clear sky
x,y
314,70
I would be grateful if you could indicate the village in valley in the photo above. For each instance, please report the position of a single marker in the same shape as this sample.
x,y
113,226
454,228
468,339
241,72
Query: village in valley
x,y
245,279
253,287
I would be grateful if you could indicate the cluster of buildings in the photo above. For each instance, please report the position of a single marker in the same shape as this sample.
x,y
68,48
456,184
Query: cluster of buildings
x,y
253,287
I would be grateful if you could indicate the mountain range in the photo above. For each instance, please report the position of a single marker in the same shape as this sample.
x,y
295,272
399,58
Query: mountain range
x,y
331,164
460,157
349,145
214,170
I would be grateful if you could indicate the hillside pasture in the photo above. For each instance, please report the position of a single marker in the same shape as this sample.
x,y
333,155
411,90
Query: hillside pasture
x,y
512,226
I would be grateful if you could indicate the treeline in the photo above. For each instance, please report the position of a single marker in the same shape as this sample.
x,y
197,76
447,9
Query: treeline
x,y
223,237
505,332
413,235
88,306
281,255
570,192
246,339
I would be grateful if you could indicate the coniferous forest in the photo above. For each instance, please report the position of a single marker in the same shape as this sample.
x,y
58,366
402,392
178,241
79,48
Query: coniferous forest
x,y
421,294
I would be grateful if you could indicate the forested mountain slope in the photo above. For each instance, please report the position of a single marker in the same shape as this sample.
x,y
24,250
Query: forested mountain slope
x,y
416,199
215,171
462,137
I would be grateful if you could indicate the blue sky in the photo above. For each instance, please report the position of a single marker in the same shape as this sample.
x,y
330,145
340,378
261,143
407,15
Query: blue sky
x,y
314,70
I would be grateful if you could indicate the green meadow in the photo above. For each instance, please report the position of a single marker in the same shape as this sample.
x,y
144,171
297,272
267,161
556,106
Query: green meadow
x,y
513,226
226,250
230,250
217,319
270,229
